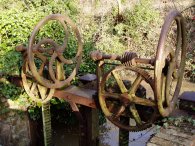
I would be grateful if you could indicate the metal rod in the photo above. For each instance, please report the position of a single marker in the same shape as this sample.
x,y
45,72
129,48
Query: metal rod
x,y
145,61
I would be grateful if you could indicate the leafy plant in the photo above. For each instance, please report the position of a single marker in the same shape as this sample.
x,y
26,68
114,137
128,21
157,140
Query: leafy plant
x,y
179,121
18,19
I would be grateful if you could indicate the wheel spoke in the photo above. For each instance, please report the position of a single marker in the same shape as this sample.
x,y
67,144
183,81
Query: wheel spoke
x,y
143,101
168,82
179,41
111,95
163,88
65,61
119,112
136,84
138,100
44,60
119,82
40,71
60,75
33,87
42,91
51,71
175,73
135,114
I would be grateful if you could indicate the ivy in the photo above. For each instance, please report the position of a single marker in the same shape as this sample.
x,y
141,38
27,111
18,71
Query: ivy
x,y
18,19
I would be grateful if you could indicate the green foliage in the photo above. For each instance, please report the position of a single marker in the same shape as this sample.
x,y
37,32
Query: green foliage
x,y
137,31
4,110
102,118
141,20
16,94
16,25
178,122
10,91
61,112
18,19
34,112
13,31
190,26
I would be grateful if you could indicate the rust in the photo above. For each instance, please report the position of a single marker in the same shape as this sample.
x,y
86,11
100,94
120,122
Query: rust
x,y
56,56
97,55
125,102
161,64
82,99
166,70
21,48
127,99
35,91
128,58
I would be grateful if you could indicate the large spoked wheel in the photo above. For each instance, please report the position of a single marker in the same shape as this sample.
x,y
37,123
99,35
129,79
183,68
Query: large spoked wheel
x,y
55,57
170,63
36,92
129,101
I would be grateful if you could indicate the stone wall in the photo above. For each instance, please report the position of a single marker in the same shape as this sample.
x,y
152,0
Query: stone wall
x,y
14,125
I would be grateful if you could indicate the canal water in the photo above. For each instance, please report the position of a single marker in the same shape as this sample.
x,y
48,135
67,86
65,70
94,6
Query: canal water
x,y
109,135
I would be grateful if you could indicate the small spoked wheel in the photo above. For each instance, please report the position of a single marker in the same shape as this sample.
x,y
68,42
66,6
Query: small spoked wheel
x,y
54,52
36,92
127,98
170,62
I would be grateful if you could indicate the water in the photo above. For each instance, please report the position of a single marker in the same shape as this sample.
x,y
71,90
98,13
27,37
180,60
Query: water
x,y
65,136
109,135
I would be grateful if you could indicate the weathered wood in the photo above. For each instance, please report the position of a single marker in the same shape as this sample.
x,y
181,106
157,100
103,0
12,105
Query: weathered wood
x,y
173,136
162,142
89,127
77,95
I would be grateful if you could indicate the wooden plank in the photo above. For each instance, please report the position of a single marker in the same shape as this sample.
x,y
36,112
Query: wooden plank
x,y
174,139
82,92
151,144
162,142
173,136
77,95
175,132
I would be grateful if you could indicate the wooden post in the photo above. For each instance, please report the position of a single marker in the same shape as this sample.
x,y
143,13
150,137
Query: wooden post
x,y
90,127
124,134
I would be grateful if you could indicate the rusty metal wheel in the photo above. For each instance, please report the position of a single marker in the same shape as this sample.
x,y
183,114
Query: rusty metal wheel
x,y
170,63
54,53
35,91
129,99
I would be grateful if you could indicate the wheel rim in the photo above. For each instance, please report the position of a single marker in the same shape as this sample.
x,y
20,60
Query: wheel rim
x,y
164,54
34,90
134,108
57,55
